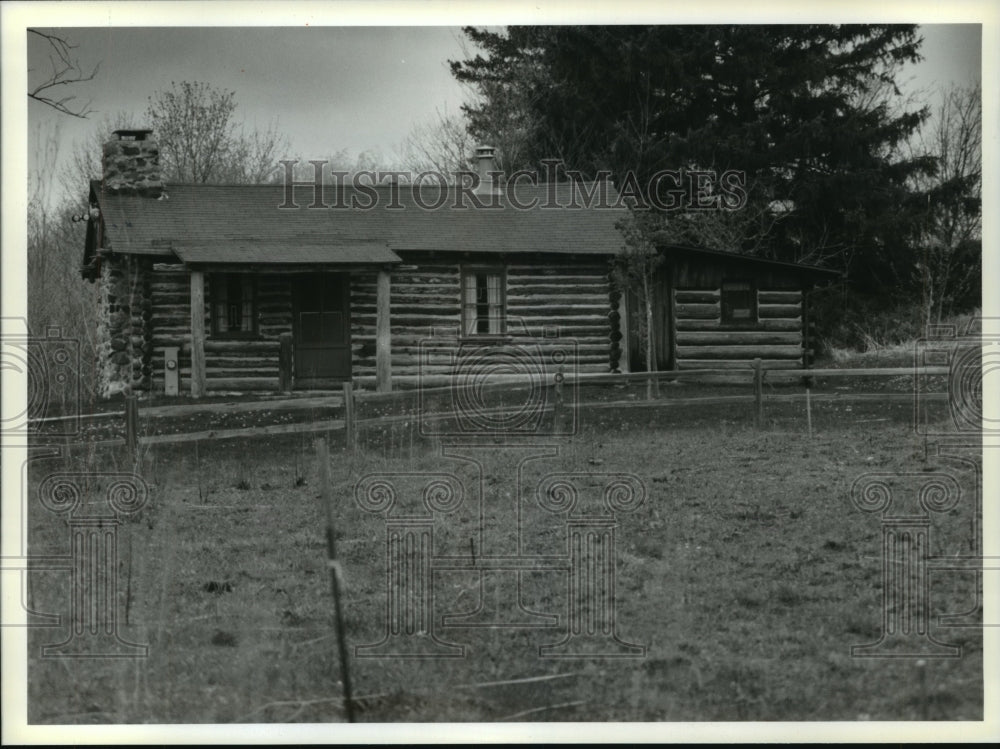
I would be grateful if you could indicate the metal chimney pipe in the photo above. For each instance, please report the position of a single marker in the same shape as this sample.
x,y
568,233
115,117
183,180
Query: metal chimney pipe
x,y
484,165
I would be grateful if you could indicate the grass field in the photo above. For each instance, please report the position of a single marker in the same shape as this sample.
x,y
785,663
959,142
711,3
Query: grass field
x,y
747,575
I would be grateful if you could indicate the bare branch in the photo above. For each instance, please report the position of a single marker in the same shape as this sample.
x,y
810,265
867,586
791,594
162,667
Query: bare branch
x,y
65,71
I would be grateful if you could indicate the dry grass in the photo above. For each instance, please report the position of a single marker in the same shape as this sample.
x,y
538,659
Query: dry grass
x,y
747,575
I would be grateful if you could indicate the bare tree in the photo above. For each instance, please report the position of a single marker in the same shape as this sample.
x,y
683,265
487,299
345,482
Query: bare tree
x,y
64,70
84,159
636,271
949,266
56,296
200,140
442,145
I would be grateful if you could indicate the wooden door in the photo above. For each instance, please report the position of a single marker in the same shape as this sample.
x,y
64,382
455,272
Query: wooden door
x,y
321,328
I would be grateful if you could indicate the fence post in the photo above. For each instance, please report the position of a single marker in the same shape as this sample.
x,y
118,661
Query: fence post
x,y
132,426
809,414
285,362
323,456
758,393
350,436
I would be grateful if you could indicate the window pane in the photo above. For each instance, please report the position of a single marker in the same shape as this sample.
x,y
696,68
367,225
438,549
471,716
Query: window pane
x,y
311,327
469,304
482,303
333,326
493,301
737,301
218,289
246,293
233,304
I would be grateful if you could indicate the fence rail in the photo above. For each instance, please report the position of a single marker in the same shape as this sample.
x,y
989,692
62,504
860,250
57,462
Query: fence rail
x,y
501,382
755,374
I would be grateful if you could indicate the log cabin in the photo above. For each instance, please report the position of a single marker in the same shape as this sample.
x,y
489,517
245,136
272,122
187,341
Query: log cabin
x,y
722,310
222,288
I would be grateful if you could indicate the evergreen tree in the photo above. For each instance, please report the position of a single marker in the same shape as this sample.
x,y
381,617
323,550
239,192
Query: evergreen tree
x,y
805,112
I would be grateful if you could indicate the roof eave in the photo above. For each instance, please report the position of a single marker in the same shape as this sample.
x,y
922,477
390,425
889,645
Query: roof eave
x,y
800,268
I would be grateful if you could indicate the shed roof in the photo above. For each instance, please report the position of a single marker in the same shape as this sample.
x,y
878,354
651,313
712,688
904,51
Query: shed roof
x,y
735,258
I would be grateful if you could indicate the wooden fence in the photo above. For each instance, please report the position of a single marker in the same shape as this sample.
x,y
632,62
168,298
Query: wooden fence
x,y
755,376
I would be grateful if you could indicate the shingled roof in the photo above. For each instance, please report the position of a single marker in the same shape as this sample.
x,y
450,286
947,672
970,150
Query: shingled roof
x,y
245,223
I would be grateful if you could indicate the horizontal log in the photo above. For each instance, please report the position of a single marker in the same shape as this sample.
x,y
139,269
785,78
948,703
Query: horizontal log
x,y
740,364
687,297
219,373
170,297
745,337
424,289
556,309
739,352
404,302
364,368
402,319
245,383
409,380
766,324
360,295
265,366
249,383
595,289
697,311
430,275
444,358
533,274
555,297
548,321
229,359
779,297
160,321
241,345
568,276
779,310
409,310
414,342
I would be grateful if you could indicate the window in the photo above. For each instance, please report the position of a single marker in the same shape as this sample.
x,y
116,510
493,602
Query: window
x,y
739,303
483,302
233,305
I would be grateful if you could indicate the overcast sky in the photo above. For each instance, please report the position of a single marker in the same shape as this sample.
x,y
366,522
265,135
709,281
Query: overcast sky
x,y
331,88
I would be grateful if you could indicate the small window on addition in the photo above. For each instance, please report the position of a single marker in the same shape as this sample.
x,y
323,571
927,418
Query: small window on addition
x,y
739,303
483,302
234,309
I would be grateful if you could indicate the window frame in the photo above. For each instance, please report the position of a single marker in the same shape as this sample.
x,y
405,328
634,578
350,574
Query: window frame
x,y
488,270
216,281
733,322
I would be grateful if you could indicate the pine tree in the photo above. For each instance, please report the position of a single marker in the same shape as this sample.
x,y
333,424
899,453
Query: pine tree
x,y
805,112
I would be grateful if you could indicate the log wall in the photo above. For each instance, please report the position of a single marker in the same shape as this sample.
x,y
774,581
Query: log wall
x,y
701,341
547,303
230,364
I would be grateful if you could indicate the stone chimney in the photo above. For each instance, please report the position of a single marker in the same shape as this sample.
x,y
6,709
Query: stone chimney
x,y
484,165
132,164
